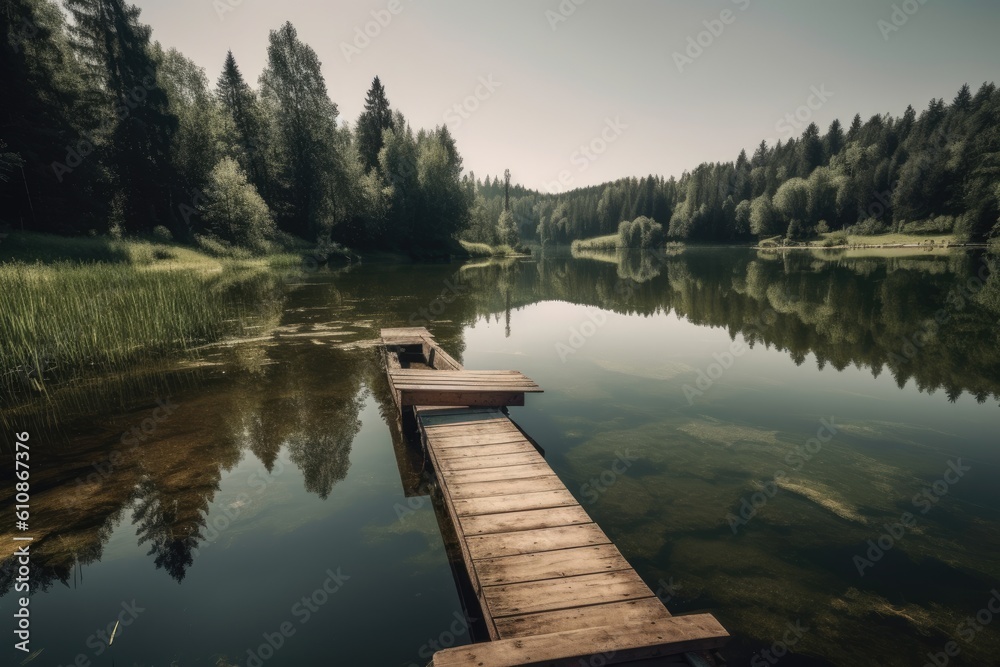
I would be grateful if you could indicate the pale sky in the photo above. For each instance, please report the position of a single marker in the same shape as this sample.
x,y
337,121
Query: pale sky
x,y
561,79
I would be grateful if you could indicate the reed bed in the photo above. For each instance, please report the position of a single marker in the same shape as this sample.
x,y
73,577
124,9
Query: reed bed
x,y
68,316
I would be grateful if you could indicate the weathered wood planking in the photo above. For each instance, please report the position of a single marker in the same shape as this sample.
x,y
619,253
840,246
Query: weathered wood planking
x,y
460,387
618,642
551,586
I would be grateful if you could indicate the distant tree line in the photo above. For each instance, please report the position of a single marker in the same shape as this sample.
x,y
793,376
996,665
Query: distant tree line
x,y
105,131
937,171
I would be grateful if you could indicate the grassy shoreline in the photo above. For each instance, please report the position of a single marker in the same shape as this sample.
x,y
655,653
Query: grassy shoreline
x,y
841,241
477,250
97,303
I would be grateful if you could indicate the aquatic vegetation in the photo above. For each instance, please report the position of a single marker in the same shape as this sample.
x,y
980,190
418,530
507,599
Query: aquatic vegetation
x,y
62,318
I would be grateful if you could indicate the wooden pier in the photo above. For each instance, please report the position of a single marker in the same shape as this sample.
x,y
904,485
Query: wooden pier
x,y
551,587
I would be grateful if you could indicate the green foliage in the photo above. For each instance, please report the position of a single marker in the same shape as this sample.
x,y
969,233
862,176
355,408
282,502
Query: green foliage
x,y
105,315
868,227
306,152
110,132
374,120
123,77
162,234
234,212
791,203
640,233
942,162
198,143
942,224
246,125
795,231
506,229
763,219
608,242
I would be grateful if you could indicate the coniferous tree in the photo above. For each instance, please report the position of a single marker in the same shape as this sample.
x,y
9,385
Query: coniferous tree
x,y
249,124
374,120
292,85
833,142
115,49
51,171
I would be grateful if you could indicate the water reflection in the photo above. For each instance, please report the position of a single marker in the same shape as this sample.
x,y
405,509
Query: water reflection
x,y
289,385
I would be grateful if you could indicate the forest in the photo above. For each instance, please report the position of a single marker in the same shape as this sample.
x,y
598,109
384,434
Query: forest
x,y
108,132
933,172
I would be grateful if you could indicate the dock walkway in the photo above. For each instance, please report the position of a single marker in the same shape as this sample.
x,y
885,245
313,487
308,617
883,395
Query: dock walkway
x,y
552,588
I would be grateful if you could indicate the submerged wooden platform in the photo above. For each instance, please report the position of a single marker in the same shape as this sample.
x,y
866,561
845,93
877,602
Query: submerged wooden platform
x,y
551,587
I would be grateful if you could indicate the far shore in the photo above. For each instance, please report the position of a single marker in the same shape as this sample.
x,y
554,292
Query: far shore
x,y
864,246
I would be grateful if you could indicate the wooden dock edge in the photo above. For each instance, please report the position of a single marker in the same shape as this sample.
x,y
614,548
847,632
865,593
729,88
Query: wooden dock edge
x,y
613,644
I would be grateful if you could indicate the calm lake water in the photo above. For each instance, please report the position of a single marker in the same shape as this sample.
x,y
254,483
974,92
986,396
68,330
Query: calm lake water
x,y
807,442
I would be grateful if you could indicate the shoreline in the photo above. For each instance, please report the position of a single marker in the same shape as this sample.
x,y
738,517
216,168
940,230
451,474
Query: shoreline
x,y
864,246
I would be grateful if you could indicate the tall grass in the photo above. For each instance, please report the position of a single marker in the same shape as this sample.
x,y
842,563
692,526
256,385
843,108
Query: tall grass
x,y
62,317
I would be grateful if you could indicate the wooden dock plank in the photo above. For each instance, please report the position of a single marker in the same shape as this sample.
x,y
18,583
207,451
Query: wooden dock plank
x,y
565,593
477,441
616,644
495,461
538,539
484,423
514,502
562,620
497,474
485,450
546,482
550,564
486,524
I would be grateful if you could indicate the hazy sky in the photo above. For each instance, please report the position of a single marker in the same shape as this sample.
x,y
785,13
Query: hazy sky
x,y
563,73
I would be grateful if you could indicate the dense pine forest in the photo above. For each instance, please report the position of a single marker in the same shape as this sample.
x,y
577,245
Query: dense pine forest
x,y
105,131
933,172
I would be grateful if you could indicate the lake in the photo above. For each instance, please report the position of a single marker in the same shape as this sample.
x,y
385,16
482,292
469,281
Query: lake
x,y
803,444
